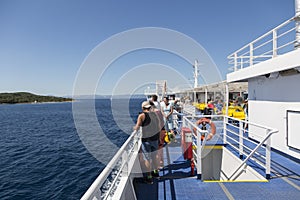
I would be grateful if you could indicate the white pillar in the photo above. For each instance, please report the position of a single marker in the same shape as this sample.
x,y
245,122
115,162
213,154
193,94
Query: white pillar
x,y
226,113
241,149
199,156
268,157
205,100
297,19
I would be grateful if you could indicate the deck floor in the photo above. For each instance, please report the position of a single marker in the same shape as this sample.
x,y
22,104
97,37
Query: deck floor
x,y
176,182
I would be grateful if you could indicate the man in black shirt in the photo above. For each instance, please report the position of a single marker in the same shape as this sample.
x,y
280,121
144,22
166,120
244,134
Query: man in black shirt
x,y
150,135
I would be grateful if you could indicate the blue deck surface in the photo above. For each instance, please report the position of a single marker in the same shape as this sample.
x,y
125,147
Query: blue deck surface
x,y
176,182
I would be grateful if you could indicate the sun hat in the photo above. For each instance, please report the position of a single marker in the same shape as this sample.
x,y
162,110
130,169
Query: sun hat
x,y
146,104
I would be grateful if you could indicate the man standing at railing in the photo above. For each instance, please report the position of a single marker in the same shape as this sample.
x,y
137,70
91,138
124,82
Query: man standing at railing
x,y
150,135
167,111
161,135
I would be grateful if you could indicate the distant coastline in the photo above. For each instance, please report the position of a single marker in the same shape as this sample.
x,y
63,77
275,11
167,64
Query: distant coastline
x,y
26,97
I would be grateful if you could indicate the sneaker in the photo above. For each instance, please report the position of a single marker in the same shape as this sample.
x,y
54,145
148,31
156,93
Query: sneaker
x,y
148,180
155,174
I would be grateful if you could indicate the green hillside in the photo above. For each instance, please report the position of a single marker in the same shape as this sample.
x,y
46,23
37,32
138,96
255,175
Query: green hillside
x,y
26,97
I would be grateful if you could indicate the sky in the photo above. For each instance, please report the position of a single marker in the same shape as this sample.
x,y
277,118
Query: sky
x,y
44,44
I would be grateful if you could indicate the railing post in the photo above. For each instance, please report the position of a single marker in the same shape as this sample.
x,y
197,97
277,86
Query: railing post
x,y
137,140
205,97
268,157
225,121
184,121
241,139
297,23
251,54
199,156
242,63
274,43
235,62
194,112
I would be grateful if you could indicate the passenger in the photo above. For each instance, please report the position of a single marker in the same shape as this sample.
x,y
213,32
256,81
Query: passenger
x,y
171,100
167,111
203,122
219,107
161,136
154,100
150,135
211,106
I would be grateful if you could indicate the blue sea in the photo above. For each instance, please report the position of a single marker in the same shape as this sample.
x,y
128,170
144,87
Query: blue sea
x,y
42,155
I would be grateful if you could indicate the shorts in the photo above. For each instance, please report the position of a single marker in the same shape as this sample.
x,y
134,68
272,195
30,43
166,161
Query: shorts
x,y
169,124
149,149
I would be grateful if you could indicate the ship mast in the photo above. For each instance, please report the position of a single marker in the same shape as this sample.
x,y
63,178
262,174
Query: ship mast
x,y
196,64
196,74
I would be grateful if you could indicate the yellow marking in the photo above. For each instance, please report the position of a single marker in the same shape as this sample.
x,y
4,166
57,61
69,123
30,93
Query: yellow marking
x,y
214,147
238,181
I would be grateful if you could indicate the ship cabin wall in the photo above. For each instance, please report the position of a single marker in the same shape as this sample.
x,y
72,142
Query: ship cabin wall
x,y
274,101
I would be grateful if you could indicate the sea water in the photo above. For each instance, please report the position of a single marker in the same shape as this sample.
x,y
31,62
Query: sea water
x,y
42,155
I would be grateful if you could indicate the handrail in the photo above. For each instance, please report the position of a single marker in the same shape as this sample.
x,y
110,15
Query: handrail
x,y
264,35
94,189
251,123
239,132
244,57
200,147
267,138
253,151
189,109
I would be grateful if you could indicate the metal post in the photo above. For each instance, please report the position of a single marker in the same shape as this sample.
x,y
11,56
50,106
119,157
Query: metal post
x,y
297,20
241,139
242,64
235,62
214,95
251,54
199,162
184,121
225,121
268,157
205,100
274,43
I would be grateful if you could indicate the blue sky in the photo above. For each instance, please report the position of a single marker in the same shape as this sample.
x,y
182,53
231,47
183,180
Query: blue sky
x,y
44,43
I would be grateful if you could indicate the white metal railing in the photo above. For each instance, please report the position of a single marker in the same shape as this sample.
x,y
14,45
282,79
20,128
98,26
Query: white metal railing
x,y
105,184
189,123
234,136
189,109
176,121
276,42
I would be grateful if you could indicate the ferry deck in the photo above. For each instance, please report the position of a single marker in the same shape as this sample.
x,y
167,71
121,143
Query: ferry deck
x,y
275,173
176,181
